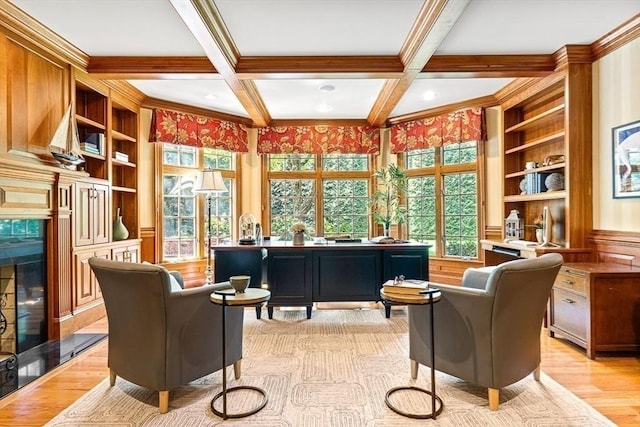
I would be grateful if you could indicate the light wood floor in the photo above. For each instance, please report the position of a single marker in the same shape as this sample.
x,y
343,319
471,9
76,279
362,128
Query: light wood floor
x,y
611,383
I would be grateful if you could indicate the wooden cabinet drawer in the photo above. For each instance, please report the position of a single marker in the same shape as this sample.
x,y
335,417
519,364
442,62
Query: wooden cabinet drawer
x,y
569,278
569,312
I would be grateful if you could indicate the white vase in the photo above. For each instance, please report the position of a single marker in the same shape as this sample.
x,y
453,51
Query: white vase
x,y
539,235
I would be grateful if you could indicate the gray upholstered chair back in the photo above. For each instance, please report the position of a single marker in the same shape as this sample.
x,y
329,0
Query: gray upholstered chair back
x,y
488,335
160,335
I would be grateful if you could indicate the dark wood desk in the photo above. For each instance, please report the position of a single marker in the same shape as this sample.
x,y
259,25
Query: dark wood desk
x,y
302,275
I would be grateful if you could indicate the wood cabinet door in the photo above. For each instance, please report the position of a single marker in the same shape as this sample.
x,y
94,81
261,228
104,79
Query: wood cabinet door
x,y
101,214
289,276
126,253
86,288
82,212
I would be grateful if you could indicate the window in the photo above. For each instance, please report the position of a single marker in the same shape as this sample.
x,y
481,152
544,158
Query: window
x,y
184,213
442,199
331,199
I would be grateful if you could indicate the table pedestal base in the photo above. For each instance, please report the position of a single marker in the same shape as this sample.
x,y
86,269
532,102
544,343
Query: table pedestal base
x,y
225,415
434,412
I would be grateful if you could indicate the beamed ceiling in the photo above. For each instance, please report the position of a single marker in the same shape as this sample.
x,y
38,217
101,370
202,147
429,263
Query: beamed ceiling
x,y
278,62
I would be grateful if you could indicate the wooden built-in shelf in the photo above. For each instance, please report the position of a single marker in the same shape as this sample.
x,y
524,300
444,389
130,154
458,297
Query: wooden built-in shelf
x,y
123,189
536,142
121,136
93,155
547,195
540,169
88,122
122,163
549,115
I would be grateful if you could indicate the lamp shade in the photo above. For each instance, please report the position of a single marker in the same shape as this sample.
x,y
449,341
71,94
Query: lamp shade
x,y
209,181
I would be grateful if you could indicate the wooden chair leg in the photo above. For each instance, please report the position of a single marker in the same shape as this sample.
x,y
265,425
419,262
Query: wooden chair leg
x,y
414,369
112,378
164,401
494,399
536,373
236,369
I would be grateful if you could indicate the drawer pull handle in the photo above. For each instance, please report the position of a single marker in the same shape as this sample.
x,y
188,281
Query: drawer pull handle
x,y
568,301
568,282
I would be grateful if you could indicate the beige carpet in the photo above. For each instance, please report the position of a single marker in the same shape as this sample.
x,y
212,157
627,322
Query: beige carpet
x,y
332,370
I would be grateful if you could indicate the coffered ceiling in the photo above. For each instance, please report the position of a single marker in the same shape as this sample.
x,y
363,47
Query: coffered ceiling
x,y
270,62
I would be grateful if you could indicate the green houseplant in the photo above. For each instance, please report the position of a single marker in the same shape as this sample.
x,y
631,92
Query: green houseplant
x,y
391,184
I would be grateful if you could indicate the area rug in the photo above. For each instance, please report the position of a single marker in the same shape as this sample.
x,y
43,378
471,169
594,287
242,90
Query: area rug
x,y
331,370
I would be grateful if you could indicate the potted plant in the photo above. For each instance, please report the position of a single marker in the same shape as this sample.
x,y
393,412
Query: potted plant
x,y
391,184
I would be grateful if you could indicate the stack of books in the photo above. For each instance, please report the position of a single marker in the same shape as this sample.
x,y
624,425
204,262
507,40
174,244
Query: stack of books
x,y
123,157
93,141
89,147
535,182
405,287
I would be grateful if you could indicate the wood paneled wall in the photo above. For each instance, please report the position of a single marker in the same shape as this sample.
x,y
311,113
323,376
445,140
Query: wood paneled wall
x,y
618,247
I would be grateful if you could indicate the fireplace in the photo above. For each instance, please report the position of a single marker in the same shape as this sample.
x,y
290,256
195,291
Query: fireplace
x,y
23,284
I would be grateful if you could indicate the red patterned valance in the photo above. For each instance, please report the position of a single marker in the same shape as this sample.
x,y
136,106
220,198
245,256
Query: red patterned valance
x,y
455,127
197,131
319,139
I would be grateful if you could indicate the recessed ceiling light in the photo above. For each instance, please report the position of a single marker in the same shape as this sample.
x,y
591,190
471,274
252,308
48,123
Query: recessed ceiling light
x,y
429,95
211,97
327,88
324,108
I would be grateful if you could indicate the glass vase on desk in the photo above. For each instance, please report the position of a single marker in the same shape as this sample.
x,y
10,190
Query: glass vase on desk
x,y
298,238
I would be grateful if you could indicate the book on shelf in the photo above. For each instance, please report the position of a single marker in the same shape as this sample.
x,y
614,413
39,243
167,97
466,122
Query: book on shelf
x,y
406,287
123,157
95,139
535,182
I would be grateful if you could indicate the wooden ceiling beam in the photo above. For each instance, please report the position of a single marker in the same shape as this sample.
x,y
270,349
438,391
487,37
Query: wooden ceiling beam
x,y
471,66
319,64
434,21
150,65
205,23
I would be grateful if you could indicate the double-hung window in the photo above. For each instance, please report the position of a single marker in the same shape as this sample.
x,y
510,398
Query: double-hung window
x,y
328,192
184,213
442,198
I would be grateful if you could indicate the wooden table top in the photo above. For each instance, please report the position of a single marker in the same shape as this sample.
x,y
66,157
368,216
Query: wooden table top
x,y
248,297
410,298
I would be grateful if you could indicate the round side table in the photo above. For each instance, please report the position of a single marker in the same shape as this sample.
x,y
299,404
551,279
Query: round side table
x,y
428,296
229,297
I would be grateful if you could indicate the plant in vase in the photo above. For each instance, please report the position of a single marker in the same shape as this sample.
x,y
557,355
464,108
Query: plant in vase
x,y
538,225
385,202
299,229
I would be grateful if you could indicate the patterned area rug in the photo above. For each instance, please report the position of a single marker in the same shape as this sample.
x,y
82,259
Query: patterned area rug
x,y
331,370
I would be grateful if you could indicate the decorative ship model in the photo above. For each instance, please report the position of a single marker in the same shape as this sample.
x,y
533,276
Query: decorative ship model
x,y
65,144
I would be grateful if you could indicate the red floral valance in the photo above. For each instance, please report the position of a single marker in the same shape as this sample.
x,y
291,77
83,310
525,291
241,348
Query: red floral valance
x,y
197,131
319,139
455,127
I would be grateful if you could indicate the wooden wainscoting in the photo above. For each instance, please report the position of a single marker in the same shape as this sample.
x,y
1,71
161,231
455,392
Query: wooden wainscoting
x,y
620,247
148,245
449,271
192,271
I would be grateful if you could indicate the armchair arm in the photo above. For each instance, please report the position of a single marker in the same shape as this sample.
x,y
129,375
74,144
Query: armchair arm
x,y
477,277
178,276
194,334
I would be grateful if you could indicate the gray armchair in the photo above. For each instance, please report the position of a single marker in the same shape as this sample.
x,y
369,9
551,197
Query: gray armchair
x,y
161,335
487,331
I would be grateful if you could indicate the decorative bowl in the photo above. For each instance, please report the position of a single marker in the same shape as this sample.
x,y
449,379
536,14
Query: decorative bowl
x,y
239,283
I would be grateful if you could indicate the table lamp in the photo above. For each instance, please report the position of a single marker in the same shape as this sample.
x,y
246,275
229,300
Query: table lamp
x,y
209,182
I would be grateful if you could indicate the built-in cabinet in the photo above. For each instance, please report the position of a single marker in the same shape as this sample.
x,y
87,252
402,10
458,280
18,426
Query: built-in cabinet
x,y
595,305
108,124
91,212
547,154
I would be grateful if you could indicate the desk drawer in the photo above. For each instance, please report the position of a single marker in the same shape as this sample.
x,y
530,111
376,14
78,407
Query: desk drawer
x,y
569,278
569,312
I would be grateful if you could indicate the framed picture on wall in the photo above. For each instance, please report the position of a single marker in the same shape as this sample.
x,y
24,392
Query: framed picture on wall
x,y
626,160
